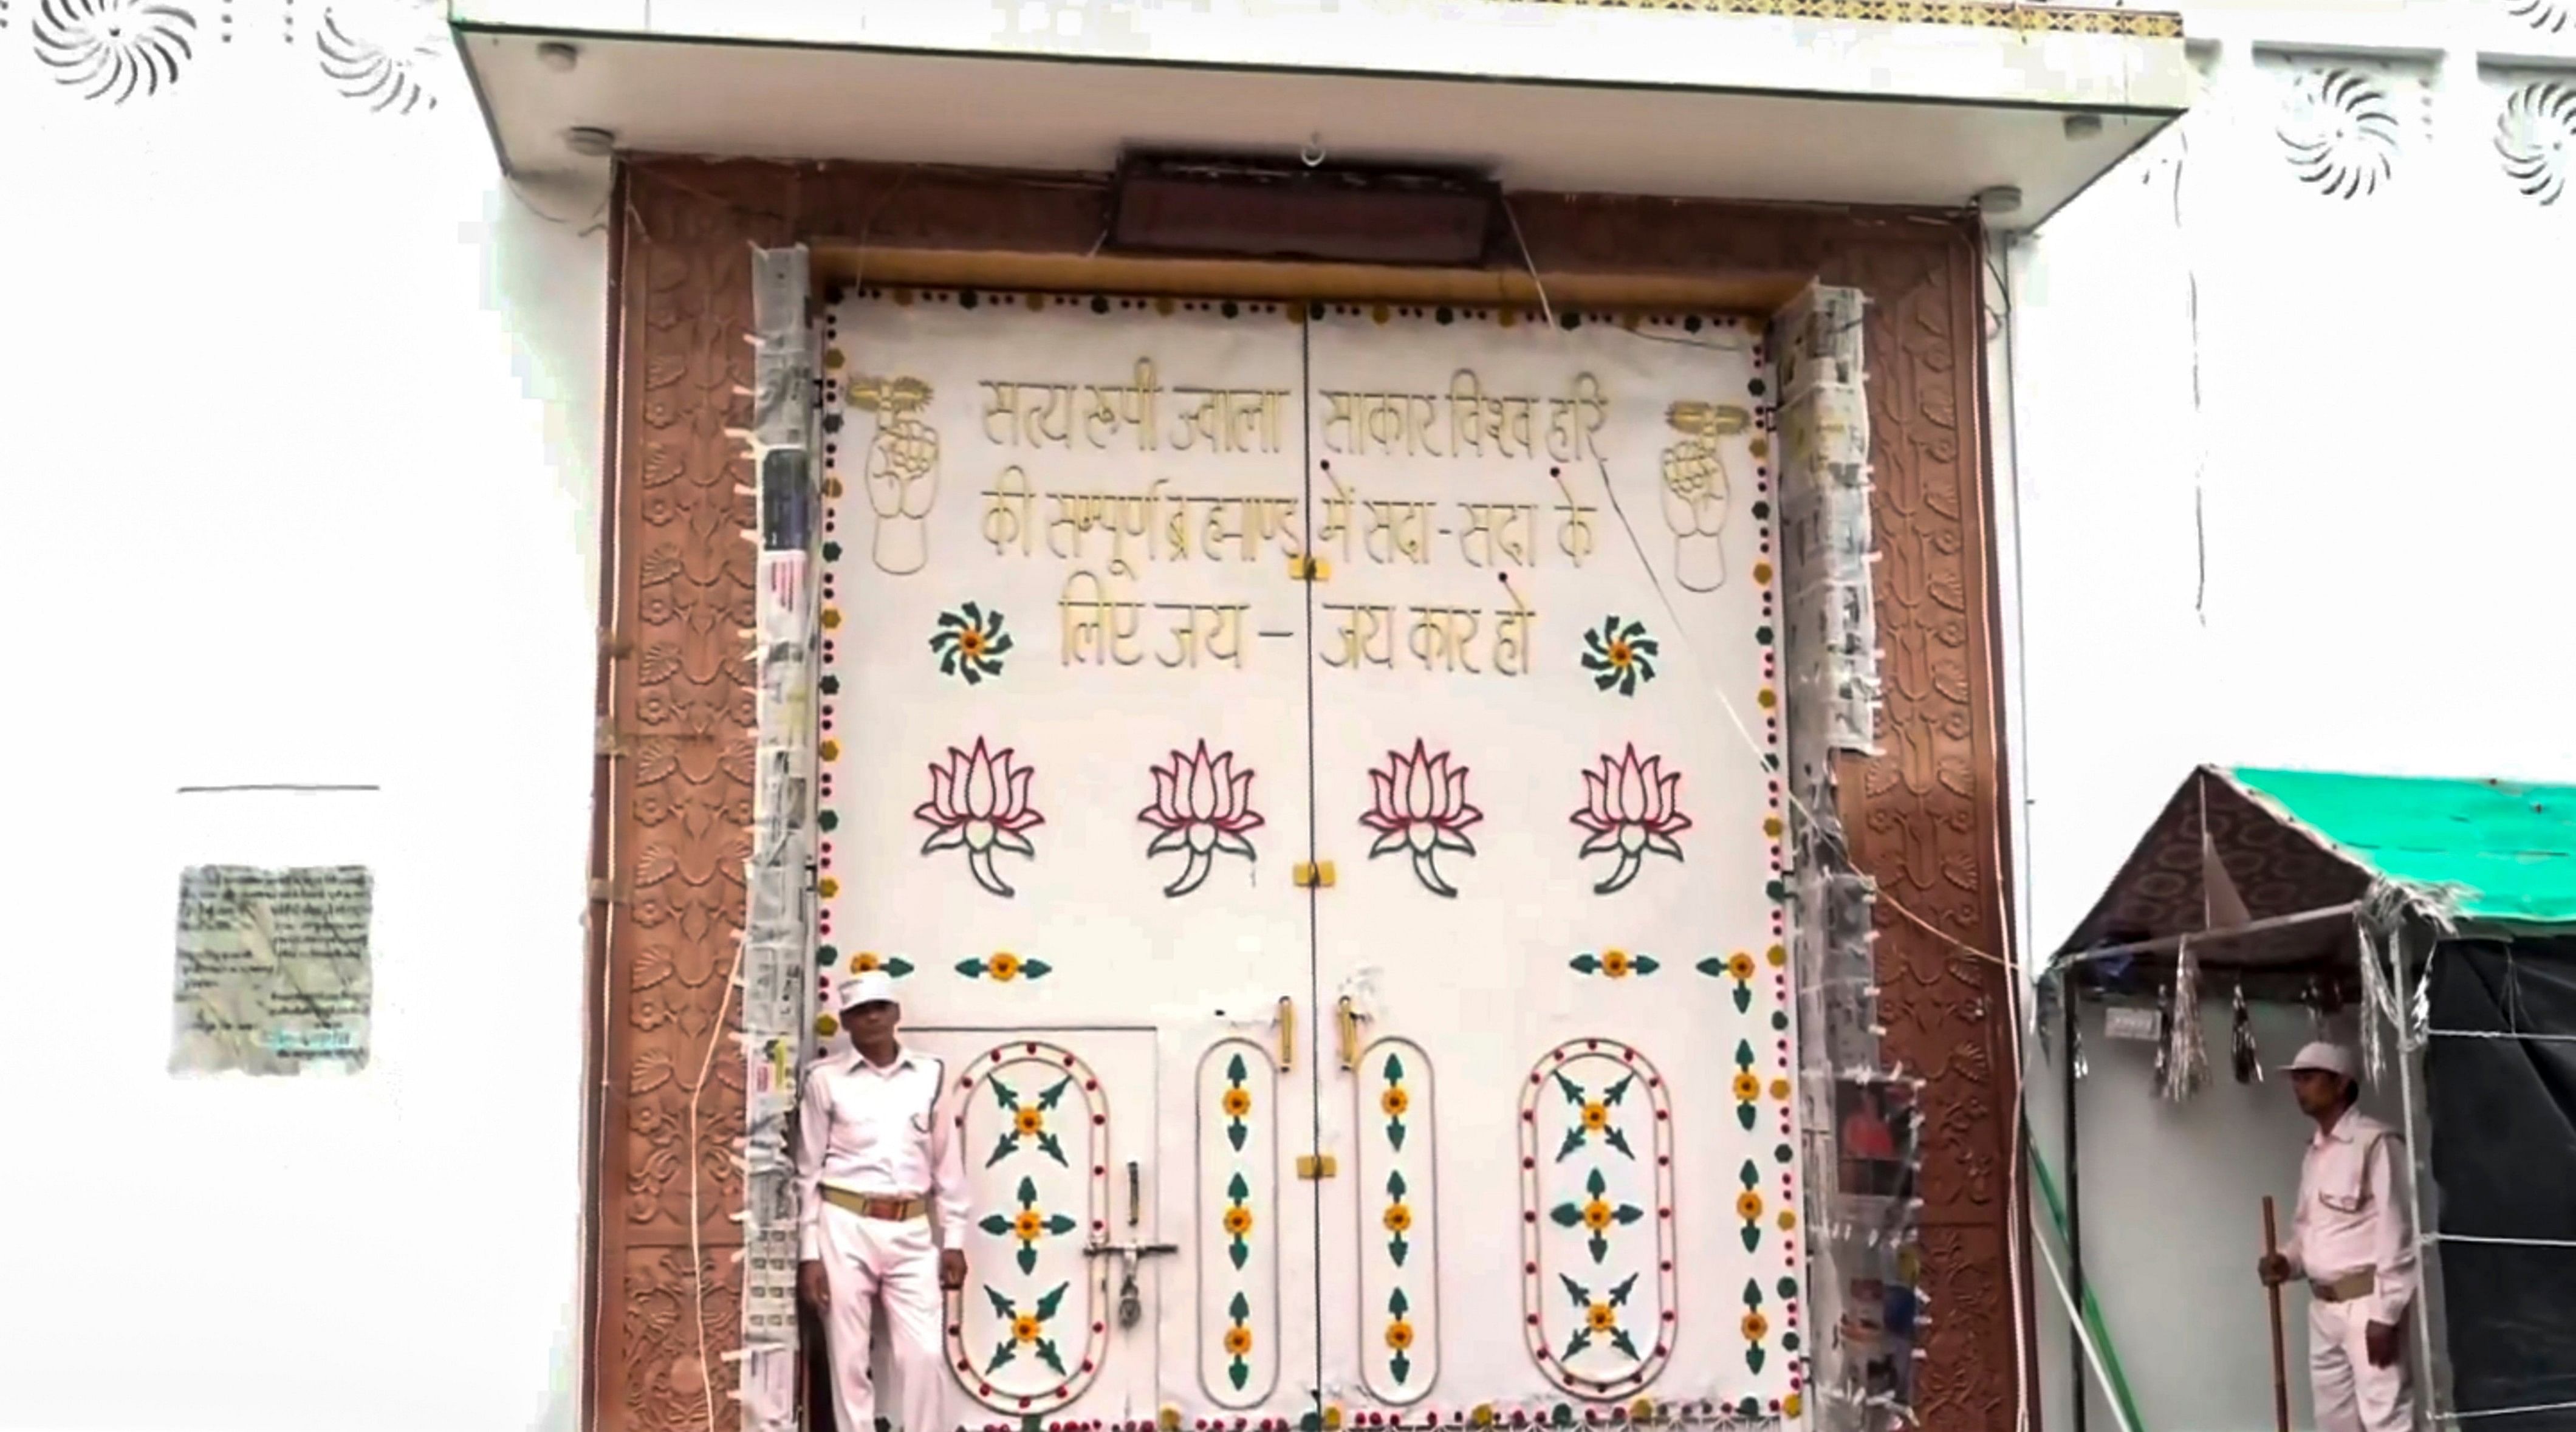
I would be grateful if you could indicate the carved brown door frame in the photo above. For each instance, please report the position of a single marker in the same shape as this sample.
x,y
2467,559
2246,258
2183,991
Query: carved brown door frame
x,y
673,792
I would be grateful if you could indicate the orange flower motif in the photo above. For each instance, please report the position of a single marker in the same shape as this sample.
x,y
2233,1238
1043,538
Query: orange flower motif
x,y
1028,1225
1601,1317
1597,1215
865,961
1756,1327
1617,964
1748,1086
1003,966
1748,1205
1740,965
1394,1102
1397,1218
1236,1103
1030,1121
1596,1117
1025,1328
1238,1220
1399,1335
1238,1341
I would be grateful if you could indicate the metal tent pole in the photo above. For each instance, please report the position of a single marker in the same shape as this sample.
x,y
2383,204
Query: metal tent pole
x,y
2406,1050
2074,1203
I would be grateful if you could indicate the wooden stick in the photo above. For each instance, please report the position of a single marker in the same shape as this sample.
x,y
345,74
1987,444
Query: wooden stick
x,y
2272,1291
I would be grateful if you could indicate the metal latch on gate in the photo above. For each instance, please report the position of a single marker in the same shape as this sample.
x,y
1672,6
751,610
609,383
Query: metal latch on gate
x,y
1312,875
1309,569
1131,1302
1312,1167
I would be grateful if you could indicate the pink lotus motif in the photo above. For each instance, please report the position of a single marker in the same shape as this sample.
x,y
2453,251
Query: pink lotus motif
x,y
979,800
1631,807
1419,804
1202,805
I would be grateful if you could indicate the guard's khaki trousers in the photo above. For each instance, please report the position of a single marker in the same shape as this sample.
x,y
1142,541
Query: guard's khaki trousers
x,y
870,1262
2350,1394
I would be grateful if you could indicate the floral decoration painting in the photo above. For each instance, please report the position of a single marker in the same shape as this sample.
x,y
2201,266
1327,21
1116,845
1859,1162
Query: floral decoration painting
x,y
979,803
1418,805
1620,655
1202,809
970,643
1632,808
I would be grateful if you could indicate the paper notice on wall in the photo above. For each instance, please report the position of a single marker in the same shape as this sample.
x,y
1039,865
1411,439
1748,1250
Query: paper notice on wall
x,y
273,969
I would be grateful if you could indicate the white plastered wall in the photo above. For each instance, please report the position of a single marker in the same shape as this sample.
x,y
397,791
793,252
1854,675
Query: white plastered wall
x,y
299,449
2370,479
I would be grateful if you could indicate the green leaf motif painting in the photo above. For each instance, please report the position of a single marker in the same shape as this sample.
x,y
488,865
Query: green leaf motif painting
x,y
970,643
1399,1336
1236,1102
1594,1117
1028,1124
1596,1214
1026,1329
1028,1225
1238,1341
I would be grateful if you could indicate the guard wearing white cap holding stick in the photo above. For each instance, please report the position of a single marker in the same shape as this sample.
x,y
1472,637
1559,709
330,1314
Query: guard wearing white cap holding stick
x,y
874,1162
2350,1241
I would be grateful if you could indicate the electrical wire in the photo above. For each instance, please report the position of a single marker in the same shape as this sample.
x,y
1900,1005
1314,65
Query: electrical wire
x,y
697,1273
2199,422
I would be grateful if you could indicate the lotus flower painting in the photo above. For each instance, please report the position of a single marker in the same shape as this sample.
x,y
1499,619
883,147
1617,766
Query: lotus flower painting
x,y
1418,805
1633,809
979,801
1202,808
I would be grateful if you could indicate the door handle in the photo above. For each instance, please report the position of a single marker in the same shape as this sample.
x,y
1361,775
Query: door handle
x,y
1287,1034
1349,1018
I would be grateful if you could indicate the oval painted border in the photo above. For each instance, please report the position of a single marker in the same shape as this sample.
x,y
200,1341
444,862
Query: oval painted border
x,y
1667,1277
1369,1111
1096,1102
1266,1134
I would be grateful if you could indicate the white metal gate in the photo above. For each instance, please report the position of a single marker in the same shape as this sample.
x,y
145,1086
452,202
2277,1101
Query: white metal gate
x,y
1316,768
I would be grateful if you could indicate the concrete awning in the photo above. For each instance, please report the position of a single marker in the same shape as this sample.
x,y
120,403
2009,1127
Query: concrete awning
x,y
1899,102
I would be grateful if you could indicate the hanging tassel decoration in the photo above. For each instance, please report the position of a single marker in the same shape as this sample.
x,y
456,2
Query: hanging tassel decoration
x,y
2378,1004
2164,1043
2317,998
2249,1061
2044,1015
2187,1062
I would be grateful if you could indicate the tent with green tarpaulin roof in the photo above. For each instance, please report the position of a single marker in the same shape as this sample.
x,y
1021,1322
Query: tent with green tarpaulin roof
x,y
2443,912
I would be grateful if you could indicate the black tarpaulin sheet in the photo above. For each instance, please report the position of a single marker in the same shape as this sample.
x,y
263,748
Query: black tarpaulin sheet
x,y
2503,1156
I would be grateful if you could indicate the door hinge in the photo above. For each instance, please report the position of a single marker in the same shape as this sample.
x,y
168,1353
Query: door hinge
x,y
1309,569
1313,875
1312,1167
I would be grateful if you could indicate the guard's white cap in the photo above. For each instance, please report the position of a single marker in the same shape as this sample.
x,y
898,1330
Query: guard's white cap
x,y
867,987
2325,1058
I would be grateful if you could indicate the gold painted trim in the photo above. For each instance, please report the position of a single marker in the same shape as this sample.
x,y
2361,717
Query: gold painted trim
x,y
841,261
1974,14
